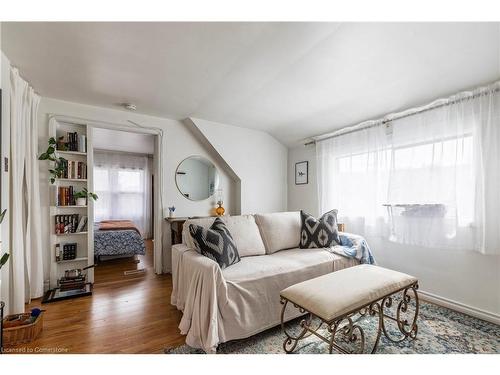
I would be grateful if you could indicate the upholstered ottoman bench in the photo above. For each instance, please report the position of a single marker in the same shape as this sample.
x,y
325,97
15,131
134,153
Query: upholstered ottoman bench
x,y
337,298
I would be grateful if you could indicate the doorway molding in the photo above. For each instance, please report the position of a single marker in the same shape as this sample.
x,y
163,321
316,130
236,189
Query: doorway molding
x,y
133,127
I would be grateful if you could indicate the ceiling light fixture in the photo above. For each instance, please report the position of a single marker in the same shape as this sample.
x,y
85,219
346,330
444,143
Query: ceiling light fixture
x,y
129,106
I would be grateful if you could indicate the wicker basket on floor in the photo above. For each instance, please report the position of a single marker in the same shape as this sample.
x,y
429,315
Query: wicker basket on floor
x,y
22,334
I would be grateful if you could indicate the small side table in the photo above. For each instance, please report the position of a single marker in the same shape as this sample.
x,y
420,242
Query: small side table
x,y
2,305
176,225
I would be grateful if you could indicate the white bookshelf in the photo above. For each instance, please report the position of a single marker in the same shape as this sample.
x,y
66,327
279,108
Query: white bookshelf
x,y
72,207
63,153
77,260
85,239
71,179
72,234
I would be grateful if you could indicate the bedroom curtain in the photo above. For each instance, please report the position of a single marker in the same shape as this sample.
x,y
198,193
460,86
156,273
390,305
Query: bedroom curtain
x,y
26,243
430,179
123,184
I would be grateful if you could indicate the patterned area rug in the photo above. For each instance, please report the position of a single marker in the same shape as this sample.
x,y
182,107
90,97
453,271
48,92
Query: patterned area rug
x,y
440,331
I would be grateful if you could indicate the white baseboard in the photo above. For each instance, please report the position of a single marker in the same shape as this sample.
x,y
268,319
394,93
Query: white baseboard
x,y
463,308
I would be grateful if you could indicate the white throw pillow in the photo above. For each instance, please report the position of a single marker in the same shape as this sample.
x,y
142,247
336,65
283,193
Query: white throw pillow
x,y
246,234
280,230
204,222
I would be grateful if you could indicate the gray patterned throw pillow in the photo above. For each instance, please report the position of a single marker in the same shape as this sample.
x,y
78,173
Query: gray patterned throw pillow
x,y
215,243
317,233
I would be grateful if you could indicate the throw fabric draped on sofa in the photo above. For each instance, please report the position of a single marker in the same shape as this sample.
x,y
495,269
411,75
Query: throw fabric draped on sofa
x,y
238,301
430,179
25,216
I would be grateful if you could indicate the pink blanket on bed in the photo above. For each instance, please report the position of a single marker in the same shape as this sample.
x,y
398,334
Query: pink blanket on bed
x,y
118,225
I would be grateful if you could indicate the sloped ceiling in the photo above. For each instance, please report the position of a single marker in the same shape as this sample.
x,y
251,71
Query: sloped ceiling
x,y
293,80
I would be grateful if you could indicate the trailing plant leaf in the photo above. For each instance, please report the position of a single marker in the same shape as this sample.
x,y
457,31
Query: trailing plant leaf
x,y
4,259
50,154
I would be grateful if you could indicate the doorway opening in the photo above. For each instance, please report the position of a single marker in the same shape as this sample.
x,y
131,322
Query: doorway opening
x,y
124,181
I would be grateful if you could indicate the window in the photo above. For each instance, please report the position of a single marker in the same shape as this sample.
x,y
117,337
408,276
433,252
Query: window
x,y
123,184
438,173
409,190
429,178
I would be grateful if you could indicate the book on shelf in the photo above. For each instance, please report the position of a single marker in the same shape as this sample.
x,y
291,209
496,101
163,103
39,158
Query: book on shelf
x,y
82,224
58,252
74,169
71,285
82,143
67,223
65,196
65,251
73,141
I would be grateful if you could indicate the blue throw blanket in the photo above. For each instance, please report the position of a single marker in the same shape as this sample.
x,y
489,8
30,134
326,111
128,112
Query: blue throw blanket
x,y
354,246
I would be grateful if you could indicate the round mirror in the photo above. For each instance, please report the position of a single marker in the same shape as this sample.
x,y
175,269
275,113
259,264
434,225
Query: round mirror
x,y
197,178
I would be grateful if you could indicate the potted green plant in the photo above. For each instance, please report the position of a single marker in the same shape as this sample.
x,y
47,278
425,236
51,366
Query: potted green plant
x,y
82,196
50,154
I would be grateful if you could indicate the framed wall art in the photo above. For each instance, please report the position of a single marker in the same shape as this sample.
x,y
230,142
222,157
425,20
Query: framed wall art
x,y
302,173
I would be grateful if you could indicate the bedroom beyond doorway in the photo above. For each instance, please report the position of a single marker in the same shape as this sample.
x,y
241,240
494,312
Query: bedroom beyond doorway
x,y
123,215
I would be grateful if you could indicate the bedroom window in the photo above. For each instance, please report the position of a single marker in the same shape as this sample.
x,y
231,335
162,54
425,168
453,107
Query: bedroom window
x,y
123,184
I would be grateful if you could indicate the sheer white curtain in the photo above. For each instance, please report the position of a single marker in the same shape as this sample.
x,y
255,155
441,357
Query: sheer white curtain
x,y
26,243
485,113
353,172
123,183
431,179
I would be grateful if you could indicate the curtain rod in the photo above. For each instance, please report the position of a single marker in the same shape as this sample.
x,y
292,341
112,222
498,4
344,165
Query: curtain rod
x,y
404,114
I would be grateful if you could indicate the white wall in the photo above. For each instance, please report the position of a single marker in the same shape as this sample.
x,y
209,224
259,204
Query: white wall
x,y
466,277
180,143
302,197
259,160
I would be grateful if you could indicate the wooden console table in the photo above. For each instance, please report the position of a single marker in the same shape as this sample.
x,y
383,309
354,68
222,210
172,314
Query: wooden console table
x,y
176,225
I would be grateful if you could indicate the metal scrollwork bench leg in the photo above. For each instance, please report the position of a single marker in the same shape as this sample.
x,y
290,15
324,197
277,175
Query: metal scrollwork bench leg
x,y
291,341
352,332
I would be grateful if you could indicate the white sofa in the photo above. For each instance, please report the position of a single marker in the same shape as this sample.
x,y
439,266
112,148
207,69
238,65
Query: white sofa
x,y
243,299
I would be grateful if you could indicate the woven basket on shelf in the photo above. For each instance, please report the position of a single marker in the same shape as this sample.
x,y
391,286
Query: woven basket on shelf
x,y
22,334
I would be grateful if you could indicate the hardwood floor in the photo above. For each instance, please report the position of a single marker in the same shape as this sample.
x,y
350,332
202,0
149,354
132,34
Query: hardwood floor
x,y
125,314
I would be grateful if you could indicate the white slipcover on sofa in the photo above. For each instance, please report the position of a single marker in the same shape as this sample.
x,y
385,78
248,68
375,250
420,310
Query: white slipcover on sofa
x,y
243,299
